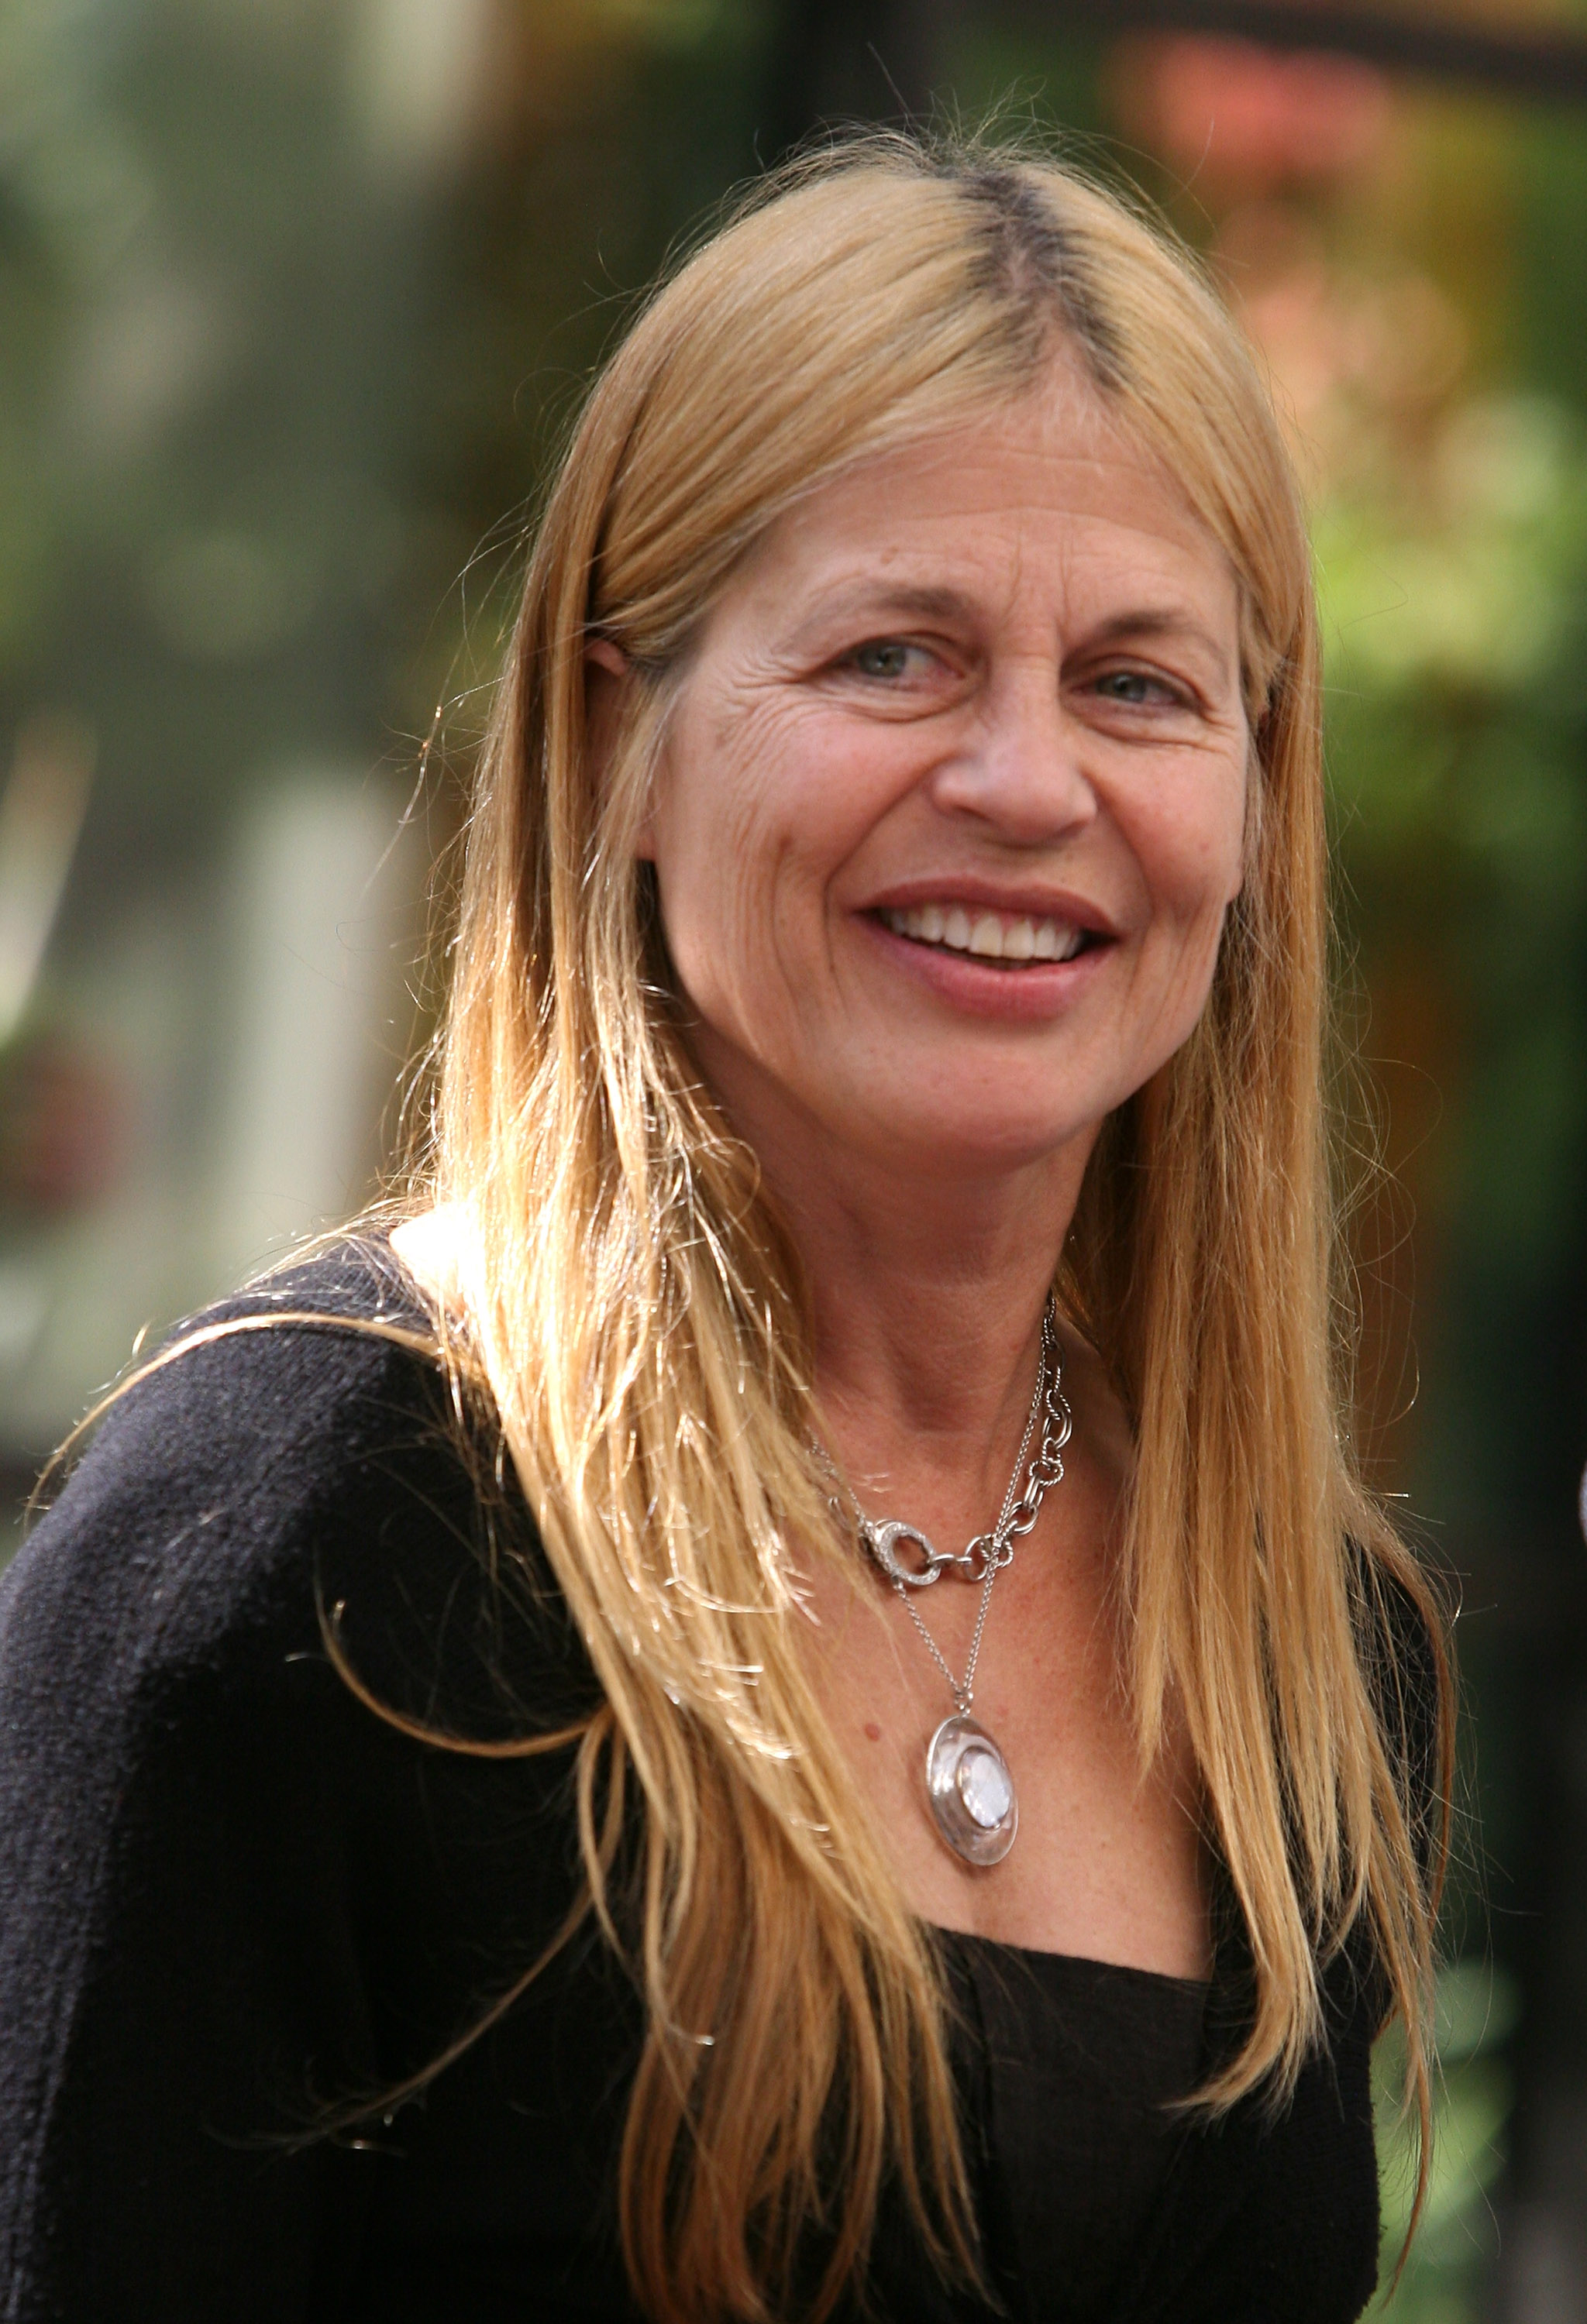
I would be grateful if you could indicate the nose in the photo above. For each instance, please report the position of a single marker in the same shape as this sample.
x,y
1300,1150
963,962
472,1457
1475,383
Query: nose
x,y
1019,771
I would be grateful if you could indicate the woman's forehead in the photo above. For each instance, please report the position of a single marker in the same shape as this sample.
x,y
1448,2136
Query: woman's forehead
x,y
1044,488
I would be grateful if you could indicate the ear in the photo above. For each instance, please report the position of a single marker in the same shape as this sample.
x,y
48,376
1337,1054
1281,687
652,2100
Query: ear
x,y
600,653
606,674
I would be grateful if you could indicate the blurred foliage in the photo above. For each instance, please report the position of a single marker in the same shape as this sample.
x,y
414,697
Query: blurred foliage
x,y
1442,2273
295,296
273,274
1458,736
1450,526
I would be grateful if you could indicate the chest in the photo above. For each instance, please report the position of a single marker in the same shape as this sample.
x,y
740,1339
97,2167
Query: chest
x,y
1091,2202
1107,1860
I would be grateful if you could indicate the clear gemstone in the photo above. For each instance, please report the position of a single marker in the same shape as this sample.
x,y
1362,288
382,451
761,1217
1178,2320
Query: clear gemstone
x,y
985,1786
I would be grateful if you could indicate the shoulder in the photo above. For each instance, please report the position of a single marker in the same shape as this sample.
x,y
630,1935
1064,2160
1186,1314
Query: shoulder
x,y
206,1462
290,1458
284,1366
229,1891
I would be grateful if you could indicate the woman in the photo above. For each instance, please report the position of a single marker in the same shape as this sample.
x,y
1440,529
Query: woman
x,y
565,1829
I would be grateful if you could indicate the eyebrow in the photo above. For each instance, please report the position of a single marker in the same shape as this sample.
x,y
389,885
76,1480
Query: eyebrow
x,y
912,601
1162,622
1156,622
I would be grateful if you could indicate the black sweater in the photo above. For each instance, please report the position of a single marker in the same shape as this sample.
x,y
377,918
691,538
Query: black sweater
x,y
234,1902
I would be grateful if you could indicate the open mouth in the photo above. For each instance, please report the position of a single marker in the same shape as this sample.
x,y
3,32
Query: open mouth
x,y
1010,940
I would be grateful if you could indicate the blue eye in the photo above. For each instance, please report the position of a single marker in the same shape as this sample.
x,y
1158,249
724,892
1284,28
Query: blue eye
x,y
1134,687
883,658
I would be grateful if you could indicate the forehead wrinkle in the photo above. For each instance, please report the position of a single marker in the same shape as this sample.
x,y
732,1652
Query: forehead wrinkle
x,y
882,591
1164,621
875,593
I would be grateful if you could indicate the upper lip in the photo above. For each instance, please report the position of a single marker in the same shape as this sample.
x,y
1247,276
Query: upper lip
x,y
1030,902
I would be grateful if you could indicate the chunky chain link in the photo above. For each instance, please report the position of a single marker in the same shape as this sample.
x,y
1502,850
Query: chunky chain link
x,y
982,1559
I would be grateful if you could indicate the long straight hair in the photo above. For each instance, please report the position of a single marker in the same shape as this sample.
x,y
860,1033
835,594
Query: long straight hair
x,y
639,1315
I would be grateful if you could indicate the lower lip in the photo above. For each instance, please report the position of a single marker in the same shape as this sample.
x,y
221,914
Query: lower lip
x,y
1030,992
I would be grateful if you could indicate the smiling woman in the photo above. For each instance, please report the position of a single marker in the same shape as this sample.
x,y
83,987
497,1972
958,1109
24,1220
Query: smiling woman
x,y
977,701
514,1801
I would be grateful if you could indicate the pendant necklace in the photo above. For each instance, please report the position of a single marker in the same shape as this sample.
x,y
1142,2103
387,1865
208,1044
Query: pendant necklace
x,y
968,1781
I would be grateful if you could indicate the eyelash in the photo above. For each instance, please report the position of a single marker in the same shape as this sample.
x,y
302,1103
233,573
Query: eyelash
x,y
904,646
1163,693
1164,690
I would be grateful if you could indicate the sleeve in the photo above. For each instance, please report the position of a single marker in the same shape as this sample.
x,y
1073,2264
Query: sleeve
x,y
176,1931
213,1886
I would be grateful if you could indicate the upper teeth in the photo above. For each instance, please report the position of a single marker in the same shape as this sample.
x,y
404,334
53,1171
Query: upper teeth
x,y
994,935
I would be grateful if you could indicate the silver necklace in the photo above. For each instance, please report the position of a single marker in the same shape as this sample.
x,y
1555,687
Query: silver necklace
x,y
968,1781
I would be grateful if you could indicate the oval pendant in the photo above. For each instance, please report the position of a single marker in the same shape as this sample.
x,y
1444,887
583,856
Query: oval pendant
x,y
971,1791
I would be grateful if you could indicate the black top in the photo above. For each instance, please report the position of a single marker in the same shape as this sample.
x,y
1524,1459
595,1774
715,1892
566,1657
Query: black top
x,y
232,1900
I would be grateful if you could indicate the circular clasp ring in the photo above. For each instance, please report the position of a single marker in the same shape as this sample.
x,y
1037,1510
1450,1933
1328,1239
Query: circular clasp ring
x,y
879,1541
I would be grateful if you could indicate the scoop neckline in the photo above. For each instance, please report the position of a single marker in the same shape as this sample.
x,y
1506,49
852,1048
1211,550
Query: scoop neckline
x,y
1198,1986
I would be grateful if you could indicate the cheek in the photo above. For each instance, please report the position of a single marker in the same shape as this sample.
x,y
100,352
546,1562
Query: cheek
x,y
721,839
701,870
762,808
1194,872
1195,854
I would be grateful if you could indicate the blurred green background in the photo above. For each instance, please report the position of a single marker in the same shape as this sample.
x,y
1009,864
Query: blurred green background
x,y
295,298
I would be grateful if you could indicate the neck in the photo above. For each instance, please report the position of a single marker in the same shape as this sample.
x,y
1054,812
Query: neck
x,y
928,1289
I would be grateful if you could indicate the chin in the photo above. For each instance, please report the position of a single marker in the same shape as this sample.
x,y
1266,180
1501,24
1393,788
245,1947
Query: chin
x,y
940,1145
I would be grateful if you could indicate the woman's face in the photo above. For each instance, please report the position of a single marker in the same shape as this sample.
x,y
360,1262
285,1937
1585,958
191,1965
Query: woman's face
x,y
952,802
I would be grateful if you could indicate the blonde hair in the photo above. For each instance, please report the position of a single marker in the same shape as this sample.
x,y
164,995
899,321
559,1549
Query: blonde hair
x,y
639,1315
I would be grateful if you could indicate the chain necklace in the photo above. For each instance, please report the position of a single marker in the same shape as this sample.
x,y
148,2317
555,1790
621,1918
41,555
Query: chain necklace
x,y
968,1781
